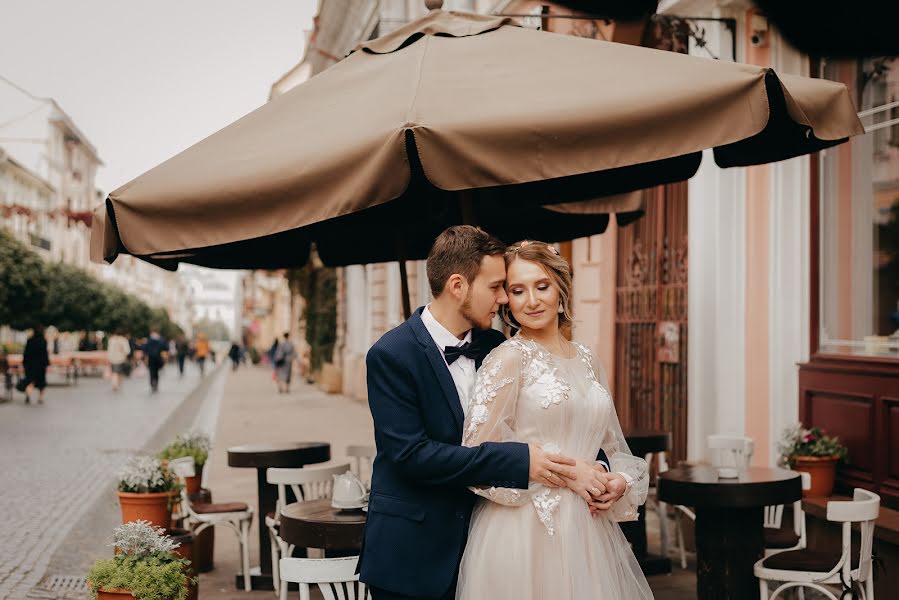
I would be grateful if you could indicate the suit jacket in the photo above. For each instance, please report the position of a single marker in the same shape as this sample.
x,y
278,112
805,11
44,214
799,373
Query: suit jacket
x,y
419,509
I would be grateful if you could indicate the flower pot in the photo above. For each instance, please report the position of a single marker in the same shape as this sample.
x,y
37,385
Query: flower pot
x,y
192,484
113,594
154,507
185,538
204,542
823,472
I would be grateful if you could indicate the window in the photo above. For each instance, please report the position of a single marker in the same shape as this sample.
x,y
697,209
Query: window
x,y
859,219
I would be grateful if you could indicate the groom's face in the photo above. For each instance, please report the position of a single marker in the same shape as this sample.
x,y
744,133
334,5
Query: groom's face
x,y
486,293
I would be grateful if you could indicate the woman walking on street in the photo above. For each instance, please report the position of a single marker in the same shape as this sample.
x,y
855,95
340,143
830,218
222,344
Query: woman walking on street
x,y
201,351
35,361
117,353
283,359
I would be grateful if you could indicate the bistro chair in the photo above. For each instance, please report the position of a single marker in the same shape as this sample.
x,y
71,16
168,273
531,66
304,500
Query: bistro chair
x,y
199,516
336,577
782,539
728,451
362,456
307,483
652,499
823,570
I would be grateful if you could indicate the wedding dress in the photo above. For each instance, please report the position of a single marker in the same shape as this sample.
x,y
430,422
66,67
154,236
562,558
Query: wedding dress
x,y
542,543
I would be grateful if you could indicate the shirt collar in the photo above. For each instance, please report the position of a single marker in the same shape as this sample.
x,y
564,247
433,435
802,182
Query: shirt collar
x,y
440,334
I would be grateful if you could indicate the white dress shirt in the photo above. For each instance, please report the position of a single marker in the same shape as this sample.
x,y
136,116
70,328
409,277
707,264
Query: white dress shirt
x,y
462,370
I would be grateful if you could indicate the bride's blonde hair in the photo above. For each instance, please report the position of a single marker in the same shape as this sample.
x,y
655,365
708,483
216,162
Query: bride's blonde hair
x,y
555,266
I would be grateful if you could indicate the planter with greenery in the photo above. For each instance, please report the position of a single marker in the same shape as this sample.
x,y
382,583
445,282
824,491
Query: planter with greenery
x,y
146,566
195,445
147,491
813,452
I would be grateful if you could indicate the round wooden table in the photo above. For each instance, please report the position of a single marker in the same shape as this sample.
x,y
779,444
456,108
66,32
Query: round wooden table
x,y
729,523
316,524
262,456
642,442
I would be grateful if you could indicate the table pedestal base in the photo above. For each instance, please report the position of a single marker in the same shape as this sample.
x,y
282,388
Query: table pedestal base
x,y
728,543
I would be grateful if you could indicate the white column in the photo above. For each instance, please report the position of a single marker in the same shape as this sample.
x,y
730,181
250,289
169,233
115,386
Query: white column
x,y
788,334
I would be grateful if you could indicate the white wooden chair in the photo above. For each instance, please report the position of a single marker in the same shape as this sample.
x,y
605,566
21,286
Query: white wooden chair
x,y
307,483
362,456
728,451
652,499
779,538
828,572
236,515
336,577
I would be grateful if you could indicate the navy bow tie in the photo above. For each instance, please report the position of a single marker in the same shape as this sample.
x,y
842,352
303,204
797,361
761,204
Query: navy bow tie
x,y
469,350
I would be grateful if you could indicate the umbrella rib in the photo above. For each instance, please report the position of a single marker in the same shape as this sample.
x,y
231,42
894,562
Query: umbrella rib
x,y
427,40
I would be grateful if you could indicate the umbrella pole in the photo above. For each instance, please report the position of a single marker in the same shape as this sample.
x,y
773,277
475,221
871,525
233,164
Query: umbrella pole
x,y
404,279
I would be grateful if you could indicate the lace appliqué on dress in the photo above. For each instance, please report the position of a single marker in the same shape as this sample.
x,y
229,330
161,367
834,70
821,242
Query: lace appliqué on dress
x,y
539,370
484,392
546,504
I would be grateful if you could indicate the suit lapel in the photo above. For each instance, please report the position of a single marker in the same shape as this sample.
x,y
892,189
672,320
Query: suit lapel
x,y
439,365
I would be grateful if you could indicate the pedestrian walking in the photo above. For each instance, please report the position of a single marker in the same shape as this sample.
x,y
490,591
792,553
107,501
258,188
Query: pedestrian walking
x,y
283,360
5,375
155,349
234,354
35,361
117,353
182,350
201,352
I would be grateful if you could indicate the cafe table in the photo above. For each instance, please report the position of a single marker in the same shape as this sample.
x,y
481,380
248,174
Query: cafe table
x,y
316,524
262,456
642,442
729,522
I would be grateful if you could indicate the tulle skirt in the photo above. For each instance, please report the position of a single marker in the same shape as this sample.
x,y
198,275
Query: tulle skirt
x,y
511,554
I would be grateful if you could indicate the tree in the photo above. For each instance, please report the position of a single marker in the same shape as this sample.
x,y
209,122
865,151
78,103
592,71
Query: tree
x,y
23,284
74,300
213,330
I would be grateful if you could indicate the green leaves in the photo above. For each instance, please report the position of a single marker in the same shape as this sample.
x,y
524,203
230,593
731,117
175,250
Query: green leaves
x,y
22,284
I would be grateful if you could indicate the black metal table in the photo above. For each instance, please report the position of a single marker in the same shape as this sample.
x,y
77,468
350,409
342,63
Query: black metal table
x,y
263,456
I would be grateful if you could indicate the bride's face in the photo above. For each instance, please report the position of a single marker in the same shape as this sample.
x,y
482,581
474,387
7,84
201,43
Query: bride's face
x,y
533,297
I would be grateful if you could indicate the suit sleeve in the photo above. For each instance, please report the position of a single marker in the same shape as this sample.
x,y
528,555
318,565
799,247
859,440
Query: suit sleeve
x,y
403,439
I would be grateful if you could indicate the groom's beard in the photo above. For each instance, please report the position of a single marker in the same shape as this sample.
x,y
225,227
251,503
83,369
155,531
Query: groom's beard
x,y
471,318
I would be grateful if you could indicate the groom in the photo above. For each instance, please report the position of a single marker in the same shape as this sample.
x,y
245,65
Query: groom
x,y
420,375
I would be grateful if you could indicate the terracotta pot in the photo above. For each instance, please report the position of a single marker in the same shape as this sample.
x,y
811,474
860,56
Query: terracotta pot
x,y
823,472
113,594
155,507
193,483
185,538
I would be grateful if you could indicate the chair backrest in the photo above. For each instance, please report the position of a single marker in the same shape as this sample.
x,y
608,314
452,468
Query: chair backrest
x,y
731,451
863,509
661,466
336,577
362,460
183,468
774,514
307,483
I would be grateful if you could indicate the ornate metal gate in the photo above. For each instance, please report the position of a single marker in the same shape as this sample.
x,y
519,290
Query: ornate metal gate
x,y
651,318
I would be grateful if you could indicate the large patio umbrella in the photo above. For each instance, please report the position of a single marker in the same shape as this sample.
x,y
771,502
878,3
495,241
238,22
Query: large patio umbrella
x,y
460,118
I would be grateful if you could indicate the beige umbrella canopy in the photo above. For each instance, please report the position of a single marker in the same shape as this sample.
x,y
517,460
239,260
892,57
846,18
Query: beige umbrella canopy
x,y
460,118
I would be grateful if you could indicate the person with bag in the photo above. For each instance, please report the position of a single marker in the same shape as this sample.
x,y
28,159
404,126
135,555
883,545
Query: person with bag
x,y
155,349
283,357
35,360
117,352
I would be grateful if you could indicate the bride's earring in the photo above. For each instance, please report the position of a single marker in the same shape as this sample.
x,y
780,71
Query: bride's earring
x,y
561,309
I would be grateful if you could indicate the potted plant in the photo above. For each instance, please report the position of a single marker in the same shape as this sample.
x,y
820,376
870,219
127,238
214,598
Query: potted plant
x,y
813,452
147,491
195,445
146,566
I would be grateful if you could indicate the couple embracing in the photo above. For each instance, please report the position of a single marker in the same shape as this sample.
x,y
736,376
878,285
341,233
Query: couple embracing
x,y
502,471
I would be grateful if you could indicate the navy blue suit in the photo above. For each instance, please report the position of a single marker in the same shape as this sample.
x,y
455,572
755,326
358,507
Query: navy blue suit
x,y
419,509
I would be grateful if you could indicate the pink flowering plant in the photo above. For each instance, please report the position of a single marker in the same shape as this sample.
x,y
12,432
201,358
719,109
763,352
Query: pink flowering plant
x,y
799,441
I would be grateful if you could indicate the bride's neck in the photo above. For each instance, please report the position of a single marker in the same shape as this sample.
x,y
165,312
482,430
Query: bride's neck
x,y
549,337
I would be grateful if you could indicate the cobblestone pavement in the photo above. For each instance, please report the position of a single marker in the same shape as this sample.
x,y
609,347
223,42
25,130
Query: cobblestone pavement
x,y
57,457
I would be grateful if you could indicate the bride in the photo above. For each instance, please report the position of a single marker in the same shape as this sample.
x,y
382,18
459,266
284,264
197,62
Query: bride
x,y
546,543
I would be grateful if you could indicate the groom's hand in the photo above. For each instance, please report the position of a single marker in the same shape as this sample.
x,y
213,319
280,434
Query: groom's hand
x,y
550,469
590,483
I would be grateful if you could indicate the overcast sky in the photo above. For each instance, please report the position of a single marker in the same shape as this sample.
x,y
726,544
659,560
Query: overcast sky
x,y
144,79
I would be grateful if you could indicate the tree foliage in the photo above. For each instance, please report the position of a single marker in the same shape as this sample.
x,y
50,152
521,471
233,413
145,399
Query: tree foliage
x,y
22,284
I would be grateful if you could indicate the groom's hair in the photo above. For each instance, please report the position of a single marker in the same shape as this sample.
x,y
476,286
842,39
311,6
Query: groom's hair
x,y
459,249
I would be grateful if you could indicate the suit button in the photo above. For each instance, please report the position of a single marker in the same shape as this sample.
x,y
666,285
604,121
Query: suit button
x,y
460,514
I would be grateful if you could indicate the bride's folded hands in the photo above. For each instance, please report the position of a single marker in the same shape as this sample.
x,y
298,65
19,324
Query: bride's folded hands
x,y
590,484
616,487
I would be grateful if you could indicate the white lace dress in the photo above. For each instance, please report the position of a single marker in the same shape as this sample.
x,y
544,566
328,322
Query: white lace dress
x,y
543,543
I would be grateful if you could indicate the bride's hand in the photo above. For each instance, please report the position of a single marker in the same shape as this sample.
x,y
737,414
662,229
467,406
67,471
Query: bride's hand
x,y
615,489
590,483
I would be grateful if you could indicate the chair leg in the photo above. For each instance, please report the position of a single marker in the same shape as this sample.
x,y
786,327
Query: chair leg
x,y
663,527
245,553
801,593
276,559
763,589
680,539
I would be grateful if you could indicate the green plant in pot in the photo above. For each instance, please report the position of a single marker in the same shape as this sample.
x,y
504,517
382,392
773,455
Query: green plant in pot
x,y
147,491
197,446
145,567
813,452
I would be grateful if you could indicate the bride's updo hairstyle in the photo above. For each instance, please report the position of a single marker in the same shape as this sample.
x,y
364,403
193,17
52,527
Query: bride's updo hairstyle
x,y
555,266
